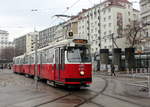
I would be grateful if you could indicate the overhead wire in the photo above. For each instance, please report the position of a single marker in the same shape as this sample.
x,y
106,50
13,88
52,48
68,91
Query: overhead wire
x,y
68,8
90,2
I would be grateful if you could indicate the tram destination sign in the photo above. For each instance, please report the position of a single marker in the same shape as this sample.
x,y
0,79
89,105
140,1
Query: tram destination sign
x,y
80,41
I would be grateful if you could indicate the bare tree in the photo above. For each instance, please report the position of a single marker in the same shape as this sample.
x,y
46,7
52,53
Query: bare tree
x,y
134,33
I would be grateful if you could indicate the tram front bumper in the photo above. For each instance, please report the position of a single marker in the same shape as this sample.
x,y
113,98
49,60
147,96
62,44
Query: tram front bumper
x,y
78,80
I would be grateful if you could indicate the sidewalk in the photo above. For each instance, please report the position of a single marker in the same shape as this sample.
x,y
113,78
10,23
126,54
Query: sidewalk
x,y
135,84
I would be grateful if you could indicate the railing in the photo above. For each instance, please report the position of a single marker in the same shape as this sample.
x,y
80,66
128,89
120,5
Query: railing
x,y
142,85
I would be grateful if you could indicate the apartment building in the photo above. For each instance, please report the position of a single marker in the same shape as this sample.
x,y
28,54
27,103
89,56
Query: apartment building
x,y
20,45
145,17
31,40
71,26
103,24
58,32
46,36
4,40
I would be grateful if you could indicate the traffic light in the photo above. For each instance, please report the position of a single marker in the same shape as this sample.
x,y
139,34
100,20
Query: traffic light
x,y
70,34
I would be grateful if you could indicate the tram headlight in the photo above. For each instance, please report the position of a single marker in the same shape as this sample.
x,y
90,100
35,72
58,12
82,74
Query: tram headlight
x,y
82,73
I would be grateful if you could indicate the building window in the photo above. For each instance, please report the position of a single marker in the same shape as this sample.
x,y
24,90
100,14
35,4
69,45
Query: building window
x,y
109,17
109,10
129,13
92,49
95,29
109,24
96,49
95,22
128,6
104,33
104,26
104,12
129,19
95,13
95,42
104,19
109,31
91,15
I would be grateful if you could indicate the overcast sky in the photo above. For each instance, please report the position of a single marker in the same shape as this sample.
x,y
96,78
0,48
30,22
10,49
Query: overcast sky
x,y
17,18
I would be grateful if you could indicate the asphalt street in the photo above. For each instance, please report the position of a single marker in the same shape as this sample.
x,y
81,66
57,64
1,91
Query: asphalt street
x,y
105,91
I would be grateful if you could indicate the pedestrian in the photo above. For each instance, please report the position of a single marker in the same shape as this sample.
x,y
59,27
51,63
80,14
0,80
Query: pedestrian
x,y
112,70
1,67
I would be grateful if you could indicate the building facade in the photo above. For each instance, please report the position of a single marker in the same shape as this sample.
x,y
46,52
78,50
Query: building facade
x,y
103,24
145,17
20,45
5,45
31,40
46,36
4,40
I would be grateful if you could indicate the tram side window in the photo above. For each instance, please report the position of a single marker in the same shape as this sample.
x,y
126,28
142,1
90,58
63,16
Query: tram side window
x,y
57,58
26,60
44,57
18,60
38,58
29,59
32,59
62,59
50,56
13,61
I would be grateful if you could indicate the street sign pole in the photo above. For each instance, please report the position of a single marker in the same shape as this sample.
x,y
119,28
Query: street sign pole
x,y
36,66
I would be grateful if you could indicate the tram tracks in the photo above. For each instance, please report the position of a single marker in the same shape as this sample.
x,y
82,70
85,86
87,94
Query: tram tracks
x,y
58,98
83,101
117,96
97,94
103,92
109,84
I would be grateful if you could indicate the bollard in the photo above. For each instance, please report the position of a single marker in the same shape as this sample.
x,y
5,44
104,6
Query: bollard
x,y
136,70
127,71
132,72
145,70
140,70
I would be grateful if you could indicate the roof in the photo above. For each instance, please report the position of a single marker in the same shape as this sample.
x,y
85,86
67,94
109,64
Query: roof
x,y
136,10
117,1
3,31
112,3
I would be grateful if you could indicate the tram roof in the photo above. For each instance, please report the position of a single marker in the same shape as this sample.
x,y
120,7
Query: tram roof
x,y
55,44
21,56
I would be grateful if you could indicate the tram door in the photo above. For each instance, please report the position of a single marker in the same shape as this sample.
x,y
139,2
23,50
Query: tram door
x,y
60,63
57,63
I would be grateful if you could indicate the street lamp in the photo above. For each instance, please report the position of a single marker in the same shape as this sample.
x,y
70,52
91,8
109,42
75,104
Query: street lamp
x,y
36,57
36,61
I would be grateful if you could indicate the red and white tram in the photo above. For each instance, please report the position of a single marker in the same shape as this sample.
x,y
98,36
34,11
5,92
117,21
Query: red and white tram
x,y
66,62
